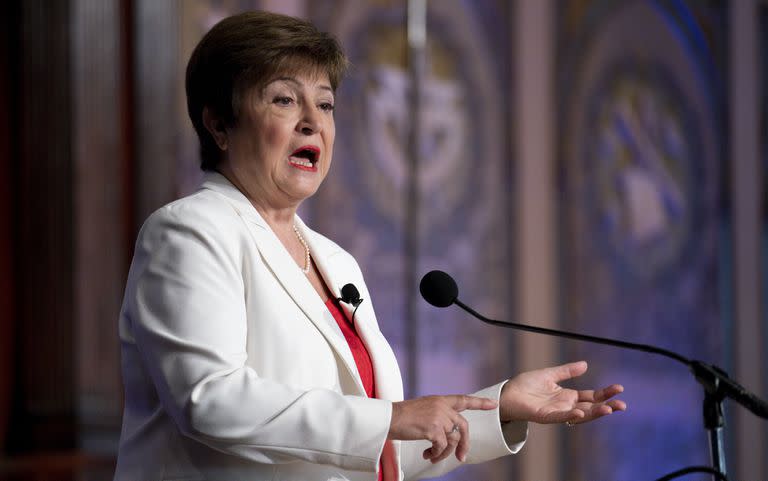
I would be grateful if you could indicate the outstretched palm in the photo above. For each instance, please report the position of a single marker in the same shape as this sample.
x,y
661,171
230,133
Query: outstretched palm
x,y
538,397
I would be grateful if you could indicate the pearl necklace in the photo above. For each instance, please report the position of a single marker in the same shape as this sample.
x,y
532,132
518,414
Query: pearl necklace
x,y
307,261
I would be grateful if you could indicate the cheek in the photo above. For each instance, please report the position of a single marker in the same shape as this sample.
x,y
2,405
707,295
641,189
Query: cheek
x,y
275,137
330,134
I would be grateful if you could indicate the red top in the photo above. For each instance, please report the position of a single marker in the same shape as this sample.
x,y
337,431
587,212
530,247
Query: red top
x,y
359,351
365,369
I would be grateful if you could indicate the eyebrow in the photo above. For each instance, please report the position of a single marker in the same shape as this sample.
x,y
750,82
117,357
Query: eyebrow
x,y
293,80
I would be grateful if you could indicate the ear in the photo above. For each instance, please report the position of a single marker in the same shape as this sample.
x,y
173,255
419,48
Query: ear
x,y
215,126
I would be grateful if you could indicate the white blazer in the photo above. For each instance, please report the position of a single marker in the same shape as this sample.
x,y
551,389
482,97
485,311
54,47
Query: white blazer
x,y
234,369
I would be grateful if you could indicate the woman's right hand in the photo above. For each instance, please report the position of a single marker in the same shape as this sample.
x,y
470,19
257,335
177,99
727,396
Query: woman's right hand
x,y
433,418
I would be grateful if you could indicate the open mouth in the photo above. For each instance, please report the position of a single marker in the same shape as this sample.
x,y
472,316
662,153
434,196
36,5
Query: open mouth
x,y
305,158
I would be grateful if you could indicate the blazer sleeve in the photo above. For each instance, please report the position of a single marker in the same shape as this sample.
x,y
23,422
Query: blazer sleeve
x,y
186,312
488,439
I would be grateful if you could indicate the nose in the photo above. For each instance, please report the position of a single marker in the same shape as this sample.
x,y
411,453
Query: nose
x,y
310,122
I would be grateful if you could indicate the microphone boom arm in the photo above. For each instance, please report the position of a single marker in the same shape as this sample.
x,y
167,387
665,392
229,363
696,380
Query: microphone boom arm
x,y
578,337
714,379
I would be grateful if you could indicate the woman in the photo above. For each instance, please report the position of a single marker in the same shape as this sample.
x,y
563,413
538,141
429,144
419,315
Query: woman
x,y
239,361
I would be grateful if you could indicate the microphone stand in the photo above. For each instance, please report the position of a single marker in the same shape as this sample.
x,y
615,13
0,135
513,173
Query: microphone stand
x,y
716,383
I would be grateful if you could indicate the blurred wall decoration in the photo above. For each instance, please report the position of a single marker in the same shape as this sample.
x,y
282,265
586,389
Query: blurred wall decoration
x,y
66,154
643,208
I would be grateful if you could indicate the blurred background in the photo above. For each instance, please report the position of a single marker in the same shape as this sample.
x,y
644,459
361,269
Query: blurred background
x,y
591,165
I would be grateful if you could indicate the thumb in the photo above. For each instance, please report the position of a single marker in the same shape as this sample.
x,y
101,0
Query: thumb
x,y
568,371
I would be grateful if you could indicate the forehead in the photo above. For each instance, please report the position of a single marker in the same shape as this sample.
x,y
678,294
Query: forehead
x,y
304,78
308,83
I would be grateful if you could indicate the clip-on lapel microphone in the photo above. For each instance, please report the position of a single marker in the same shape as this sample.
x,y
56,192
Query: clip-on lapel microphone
x,y
350,295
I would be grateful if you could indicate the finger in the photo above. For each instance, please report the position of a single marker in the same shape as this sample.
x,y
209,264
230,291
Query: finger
x,y
576,416
587,395
453,439
597,411
600,410
617,405
439,443
608,392
573,416
462,449
463,402
600,395
568,371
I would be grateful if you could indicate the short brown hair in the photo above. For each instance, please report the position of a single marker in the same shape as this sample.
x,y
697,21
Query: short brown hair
x,y
249,50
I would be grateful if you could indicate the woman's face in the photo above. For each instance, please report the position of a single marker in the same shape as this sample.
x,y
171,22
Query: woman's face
x,y
281,147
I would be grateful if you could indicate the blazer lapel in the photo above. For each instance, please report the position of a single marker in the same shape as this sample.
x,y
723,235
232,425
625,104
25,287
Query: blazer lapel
x,y
304,295
333,266
288,273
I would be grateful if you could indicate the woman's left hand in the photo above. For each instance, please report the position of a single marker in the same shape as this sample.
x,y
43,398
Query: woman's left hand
x,y
537,396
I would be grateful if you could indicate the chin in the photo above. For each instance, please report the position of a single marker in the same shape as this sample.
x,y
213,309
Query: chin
x,y
305,193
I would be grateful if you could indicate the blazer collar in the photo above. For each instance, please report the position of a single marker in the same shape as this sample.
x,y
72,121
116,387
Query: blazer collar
x,y
321,252
218,183
288,273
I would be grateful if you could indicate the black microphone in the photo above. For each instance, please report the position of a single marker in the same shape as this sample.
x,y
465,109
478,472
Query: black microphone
x,y
440,290
350,295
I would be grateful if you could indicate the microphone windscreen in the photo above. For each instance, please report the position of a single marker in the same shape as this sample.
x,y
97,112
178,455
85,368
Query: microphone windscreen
x,y
438,288
350,294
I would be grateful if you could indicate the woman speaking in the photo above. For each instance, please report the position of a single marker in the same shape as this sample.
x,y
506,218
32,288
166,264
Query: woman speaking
x,y
240,360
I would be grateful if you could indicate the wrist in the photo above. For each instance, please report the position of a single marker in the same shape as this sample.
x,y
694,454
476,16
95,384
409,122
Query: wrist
x,y
393,420
505,416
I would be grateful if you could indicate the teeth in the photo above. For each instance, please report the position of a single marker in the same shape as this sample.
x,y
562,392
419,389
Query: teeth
x,y
302,162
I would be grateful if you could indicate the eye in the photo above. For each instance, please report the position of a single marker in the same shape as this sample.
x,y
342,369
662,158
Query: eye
x,y
285,101
327,107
